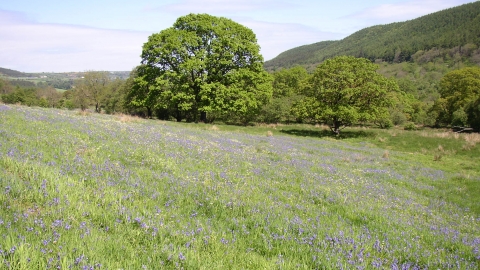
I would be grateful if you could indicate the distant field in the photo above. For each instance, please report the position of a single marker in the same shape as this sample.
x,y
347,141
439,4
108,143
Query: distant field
x,y
94,191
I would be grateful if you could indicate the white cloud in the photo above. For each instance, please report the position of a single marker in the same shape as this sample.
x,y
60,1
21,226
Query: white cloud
x,y
38,47
403,11
34,47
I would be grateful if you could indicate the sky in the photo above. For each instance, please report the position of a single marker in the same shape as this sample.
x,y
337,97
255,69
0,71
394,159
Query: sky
x,y
66,36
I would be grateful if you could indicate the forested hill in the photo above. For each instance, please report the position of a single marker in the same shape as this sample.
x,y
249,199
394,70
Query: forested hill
x,y
13,73
395,42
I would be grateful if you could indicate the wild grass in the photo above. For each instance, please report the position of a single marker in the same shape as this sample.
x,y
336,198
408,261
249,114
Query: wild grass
x,y
93,192
128,118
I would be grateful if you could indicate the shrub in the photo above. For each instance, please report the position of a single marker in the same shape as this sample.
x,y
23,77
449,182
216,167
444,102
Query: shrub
x,y
410,126
385,123
459,118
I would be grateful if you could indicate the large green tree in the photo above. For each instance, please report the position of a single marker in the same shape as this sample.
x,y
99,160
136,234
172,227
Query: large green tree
x,y
204,64
345,90
459,91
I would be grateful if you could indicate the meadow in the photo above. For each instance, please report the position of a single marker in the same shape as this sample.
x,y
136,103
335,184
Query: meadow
x,y
94,191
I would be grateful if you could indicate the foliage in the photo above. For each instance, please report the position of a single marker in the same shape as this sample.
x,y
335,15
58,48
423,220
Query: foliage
x,y
203,64
58,83
289,82
397,42
142,92
418,66
22,83
473,114
38,89
297,56
345,90
287,90
410,126
68,100
90,89
93,191
279,110
458,89
113,98
49,97
13,73
25,96
5,87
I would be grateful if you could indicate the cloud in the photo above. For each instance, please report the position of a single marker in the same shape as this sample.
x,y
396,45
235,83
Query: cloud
x,y
275,38
9,17
221,6
403,11
30,46
35,47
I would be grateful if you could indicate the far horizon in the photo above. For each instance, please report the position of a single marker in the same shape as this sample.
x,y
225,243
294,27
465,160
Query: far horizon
x,y
73,37
53,72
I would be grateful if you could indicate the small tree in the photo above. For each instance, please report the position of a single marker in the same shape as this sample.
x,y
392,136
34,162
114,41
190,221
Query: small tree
x,y
90,89
345,90
459,89
114,96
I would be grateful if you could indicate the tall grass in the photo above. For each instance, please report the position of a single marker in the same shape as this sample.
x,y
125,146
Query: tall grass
x,y
97,192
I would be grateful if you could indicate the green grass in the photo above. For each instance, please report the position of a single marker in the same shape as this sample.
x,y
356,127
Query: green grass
x,y
112,192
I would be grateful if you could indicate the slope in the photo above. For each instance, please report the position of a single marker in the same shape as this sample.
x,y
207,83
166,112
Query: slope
x,y
395,42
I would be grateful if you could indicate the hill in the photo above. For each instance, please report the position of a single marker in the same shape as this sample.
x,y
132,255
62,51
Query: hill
x,y
96,191
58,80
395,42
14,73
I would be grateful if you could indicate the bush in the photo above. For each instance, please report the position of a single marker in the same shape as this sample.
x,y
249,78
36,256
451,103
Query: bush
x,y
398,118
473,112
385,123
410,126
459,118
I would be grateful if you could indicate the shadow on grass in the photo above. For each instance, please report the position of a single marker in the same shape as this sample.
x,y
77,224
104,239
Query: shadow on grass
x,y
344,134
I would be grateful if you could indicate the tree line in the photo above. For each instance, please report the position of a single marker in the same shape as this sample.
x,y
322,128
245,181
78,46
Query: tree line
x,y
396,42
295,98
206,69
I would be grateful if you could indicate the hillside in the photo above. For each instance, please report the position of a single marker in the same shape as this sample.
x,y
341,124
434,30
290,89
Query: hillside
x,y
58,80
395,42
95,191
13,73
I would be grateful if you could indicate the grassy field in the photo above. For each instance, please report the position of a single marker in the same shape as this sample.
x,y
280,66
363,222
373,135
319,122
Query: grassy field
x,y
93,191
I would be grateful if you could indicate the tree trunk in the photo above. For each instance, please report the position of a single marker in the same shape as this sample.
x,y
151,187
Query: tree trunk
x,y
149,112
336,130
178,116
336,127
203,117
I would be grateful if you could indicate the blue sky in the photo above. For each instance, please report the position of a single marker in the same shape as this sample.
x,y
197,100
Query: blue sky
x,y
62,36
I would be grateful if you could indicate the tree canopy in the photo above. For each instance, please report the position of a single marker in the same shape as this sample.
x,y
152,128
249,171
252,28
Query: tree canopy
x,y
91,89
345,90
460,95
203,64
395,42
